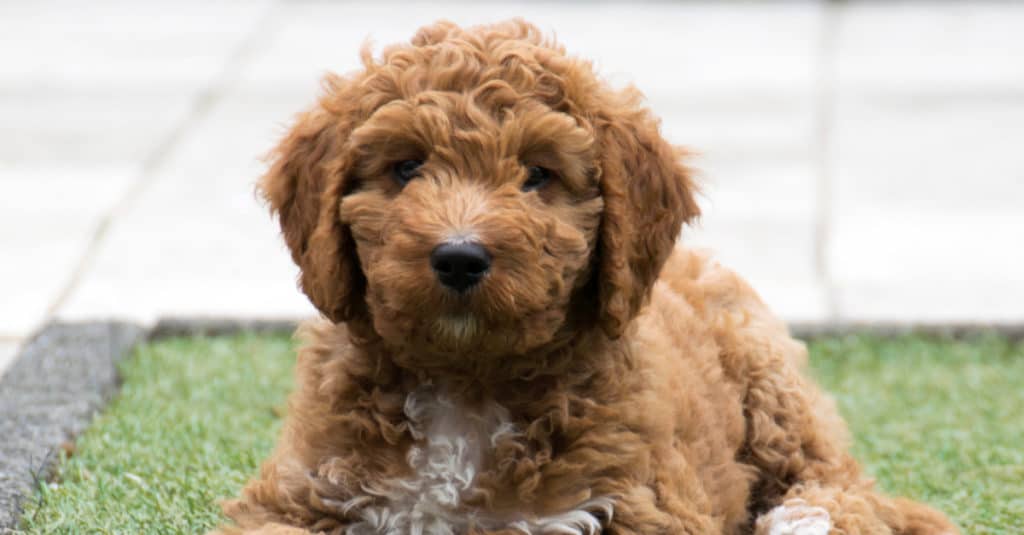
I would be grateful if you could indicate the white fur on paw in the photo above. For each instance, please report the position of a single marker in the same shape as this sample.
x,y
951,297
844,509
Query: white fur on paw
x,y
795,518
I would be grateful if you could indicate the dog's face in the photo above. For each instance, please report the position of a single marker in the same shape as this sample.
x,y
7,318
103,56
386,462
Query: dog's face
x,y
468,194
474,216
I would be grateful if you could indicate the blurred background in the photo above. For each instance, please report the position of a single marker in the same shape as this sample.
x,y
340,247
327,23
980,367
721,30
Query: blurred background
x,y
861,162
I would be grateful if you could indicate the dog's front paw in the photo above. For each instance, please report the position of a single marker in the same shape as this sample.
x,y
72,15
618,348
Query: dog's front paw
x,y
795,517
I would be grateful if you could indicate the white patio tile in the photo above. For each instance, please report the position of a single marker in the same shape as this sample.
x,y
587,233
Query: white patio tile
x,y
103,82
756,168
218,256
758,48
914,264
775,254
89,93
120,44
975,303
926,163
927,211
198,242
951,155
84,127
45,231
932,47
751,132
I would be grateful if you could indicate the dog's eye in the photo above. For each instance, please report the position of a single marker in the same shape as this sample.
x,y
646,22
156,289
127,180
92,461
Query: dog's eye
x,y
406,170
536,177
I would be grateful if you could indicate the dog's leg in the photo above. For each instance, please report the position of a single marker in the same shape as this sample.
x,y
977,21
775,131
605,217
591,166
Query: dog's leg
x,y
810,509
279,502
809,484
646,511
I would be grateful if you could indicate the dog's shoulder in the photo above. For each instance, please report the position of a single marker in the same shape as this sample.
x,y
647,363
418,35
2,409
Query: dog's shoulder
x,y
725,308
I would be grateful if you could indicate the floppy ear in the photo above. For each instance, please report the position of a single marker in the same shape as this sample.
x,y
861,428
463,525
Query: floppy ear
x,y
648,195
307,177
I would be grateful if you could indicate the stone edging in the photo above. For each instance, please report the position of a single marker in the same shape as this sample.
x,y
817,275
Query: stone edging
x,y
806,331
68,371
49,394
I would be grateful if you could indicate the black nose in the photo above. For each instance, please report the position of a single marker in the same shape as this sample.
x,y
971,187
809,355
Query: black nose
x,y
460,265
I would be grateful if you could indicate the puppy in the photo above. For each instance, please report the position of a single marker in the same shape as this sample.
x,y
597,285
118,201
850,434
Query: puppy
x,y
512,341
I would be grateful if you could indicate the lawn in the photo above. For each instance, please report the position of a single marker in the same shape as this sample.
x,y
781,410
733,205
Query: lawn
x,y
935,419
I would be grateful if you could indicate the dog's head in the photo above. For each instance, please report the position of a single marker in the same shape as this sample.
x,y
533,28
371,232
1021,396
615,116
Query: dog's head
x,y
478,193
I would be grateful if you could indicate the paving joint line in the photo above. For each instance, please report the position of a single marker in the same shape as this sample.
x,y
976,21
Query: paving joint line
x,y
823,146
203,103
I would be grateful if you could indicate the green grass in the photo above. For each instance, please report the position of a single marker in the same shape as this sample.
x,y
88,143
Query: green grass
x,y
940,421
937,420
192,422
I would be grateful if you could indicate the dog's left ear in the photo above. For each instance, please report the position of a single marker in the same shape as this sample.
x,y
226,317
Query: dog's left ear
x,y
648,194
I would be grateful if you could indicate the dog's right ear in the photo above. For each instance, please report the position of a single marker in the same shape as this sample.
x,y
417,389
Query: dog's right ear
x,y
308,172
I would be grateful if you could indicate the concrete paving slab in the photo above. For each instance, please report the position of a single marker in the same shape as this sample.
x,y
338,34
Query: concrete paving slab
x,y
105,81
931,47
929,119
118,45
197,242
983,302
759,48
104,88
749,131
878,246
774,254
46,231
946,154
929,266
757,166
759,199
926,211
108,126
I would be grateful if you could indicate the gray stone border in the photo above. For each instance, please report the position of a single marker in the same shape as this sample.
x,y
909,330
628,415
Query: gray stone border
x,y
959,330
67,372
48,395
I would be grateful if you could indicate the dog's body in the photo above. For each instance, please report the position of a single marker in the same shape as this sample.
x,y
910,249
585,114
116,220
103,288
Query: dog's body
x,y
558,365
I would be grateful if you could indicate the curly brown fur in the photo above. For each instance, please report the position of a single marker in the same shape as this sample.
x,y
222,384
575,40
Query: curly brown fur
x,y
599,379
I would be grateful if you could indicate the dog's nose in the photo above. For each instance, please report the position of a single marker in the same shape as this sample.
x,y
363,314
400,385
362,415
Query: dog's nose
x,y
460,265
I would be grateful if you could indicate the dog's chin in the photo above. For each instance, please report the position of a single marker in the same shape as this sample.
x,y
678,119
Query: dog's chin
x,y
458,329
465,338
469,335
457,334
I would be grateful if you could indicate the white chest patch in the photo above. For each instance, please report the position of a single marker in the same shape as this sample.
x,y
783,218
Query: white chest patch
x,y
453,443
796,517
